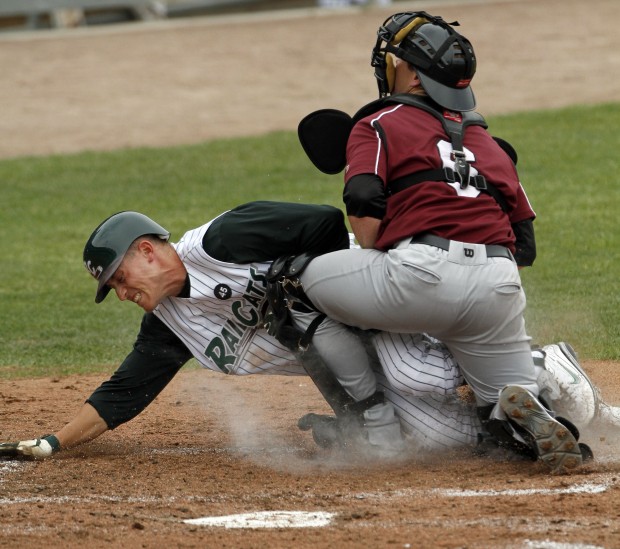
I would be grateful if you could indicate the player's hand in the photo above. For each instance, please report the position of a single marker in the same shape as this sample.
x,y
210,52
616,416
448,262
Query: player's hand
x,y
37,448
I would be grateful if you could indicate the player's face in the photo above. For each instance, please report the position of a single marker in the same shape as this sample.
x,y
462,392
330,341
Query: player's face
x,y
138,280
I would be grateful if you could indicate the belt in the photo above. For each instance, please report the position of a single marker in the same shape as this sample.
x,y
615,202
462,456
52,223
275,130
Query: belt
x,y
493,250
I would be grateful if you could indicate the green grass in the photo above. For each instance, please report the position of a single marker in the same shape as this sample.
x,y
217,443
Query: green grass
x,y
51,325
569,165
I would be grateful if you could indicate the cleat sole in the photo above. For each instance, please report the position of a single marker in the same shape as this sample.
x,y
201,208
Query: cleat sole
x,y
553,442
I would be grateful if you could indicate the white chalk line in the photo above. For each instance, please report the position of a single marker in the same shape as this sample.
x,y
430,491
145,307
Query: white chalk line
x,y
547,544
602,484
7,467
586,488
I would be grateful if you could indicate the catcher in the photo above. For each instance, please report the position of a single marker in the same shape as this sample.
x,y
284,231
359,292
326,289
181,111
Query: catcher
x,y
445,225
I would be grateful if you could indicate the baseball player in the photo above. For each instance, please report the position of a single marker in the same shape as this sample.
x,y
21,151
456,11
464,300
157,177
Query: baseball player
x,y
444,223
211,307
205,297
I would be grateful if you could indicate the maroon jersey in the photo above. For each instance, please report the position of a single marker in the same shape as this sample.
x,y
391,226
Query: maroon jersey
x,y
401,140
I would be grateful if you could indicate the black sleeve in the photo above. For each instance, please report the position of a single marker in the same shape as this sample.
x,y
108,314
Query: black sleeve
x,y
364,196
155,359
526,242
264,231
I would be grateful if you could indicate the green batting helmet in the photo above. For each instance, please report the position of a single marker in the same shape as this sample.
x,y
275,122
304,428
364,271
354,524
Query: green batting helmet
x,y
109,243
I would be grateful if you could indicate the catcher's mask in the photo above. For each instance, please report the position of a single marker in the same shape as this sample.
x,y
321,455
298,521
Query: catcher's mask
x,y
444,60
109,243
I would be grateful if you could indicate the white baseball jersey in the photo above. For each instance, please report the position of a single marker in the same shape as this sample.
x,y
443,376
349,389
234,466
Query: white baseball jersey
x,y
220,323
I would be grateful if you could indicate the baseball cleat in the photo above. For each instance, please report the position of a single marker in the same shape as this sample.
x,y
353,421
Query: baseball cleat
x,y
325,429
552,441
375,434
586,452
566,384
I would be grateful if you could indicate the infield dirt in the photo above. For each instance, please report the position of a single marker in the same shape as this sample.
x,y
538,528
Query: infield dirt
x,y
214,445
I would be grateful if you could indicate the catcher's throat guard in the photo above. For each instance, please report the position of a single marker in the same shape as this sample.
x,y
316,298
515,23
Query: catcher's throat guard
x,y
323,135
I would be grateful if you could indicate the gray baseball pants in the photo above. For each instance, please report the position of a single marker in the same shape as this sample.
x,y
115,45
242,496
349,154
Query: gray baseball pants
x,y
473,303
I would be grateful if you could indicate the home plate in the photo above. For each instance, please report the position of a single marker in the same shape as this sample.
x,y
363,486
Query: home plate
x,y
268,519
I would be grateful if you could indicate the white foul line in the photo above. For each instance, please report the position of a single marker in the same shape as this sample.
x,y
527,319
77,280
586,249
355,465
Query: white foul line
x,y
586,488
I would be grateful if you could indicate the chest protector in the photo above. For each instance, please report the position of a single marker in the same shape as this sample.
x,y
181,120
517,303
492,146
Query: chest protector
x,y
324,134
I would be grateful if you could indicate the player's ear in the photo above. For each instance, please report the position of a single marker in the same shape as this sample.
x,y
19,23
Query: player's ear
x,y
145,248
415,79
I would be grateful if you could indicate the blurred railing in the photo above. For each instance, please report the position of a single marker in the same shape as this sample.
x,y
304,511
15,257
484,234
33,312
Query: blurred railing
x,y
41,14
70,13
37,14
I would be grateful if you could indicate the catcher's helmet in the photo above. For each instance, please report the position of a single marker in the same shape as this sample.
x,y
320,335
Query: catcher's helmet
x,y
110,241
444,59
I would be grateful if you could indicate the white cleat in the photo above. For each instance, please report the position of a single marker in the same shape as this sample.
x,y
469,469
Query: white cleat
x,y
566,385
